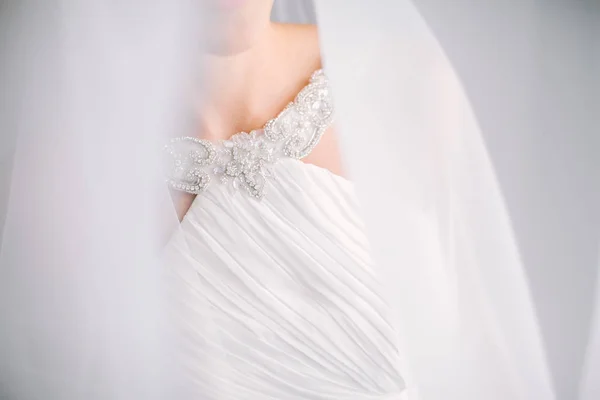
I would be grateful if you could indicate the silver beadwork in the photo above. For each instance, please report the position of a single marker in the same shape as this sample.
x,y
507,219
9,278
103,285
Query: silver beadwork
x,y
244,160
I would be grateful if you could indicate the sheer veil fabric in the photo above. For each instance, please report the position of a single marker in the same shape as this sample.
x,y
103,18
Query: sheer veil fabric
x,y
427,181
437,220
95,89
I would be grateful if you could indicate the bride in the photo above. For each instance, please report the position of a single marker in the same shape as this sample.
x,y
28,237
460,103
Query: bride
x,y
267,276
271,255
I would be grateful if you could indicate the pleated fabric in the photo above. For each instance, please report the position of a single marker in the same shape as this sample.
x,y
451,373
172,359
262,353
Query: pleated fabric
x,y
276,298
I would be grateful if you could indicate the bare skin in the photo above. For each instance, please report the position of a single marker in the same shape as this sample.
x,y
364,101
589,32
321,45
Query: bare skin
x,y
255,69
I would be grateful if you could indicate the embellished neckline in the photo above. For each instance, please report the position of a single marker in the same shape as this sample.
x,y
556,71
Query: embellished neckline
x,y
245,161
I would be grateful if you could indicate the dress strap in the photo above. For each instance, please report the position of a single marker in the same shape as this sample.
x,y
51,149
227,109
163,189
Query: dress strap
x,y
246,159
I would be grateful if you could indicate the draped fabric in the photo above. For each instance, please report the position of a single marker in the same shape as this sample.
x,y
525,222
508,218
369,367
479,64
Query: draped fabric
x,y
277,298
469,129
94,87
540,133
439,231
509,112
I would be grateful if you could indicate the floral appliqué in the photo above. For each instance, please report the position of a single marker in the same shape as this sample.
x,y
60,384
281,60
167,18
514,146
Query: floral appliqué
x,y
245,161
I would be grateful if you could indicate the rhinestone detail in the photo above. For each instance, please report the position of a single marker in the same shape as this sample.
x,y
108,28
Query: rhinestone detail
x,y
245,160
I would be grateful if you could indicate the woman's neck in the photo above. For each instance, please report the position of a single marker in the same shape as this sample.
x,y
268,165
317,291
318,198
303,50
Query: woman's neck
x,y
235,87
242,91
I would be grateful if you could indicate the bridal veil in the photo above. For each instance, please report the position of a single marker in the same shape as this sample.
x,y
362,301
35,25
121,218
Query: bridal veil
x,y
447,125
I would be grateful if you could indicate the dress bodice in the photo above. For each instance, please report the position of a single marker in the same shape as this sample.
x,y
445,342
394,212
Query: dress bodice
x,y
246,159
274,292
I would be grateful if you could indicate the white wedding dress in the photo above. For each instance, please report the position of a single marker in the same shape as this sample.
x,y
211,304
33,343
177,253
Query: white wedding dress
x,y
274,290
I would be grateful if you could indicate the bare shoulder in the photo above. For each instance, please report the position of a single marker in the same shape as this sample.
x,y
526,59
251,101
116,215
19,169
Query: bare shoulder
x,y
300,45
301,48
303,32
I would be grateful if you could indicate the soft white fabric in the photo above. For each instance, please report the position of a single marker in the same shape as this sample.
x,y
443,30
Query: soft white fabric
x,y
80,296
92,83
439,228
277,299
274,290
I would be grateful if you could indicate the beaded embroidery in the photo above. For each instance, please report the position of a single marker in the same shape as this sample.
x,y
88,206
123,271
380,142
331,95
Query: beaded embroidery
x,y
245,160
